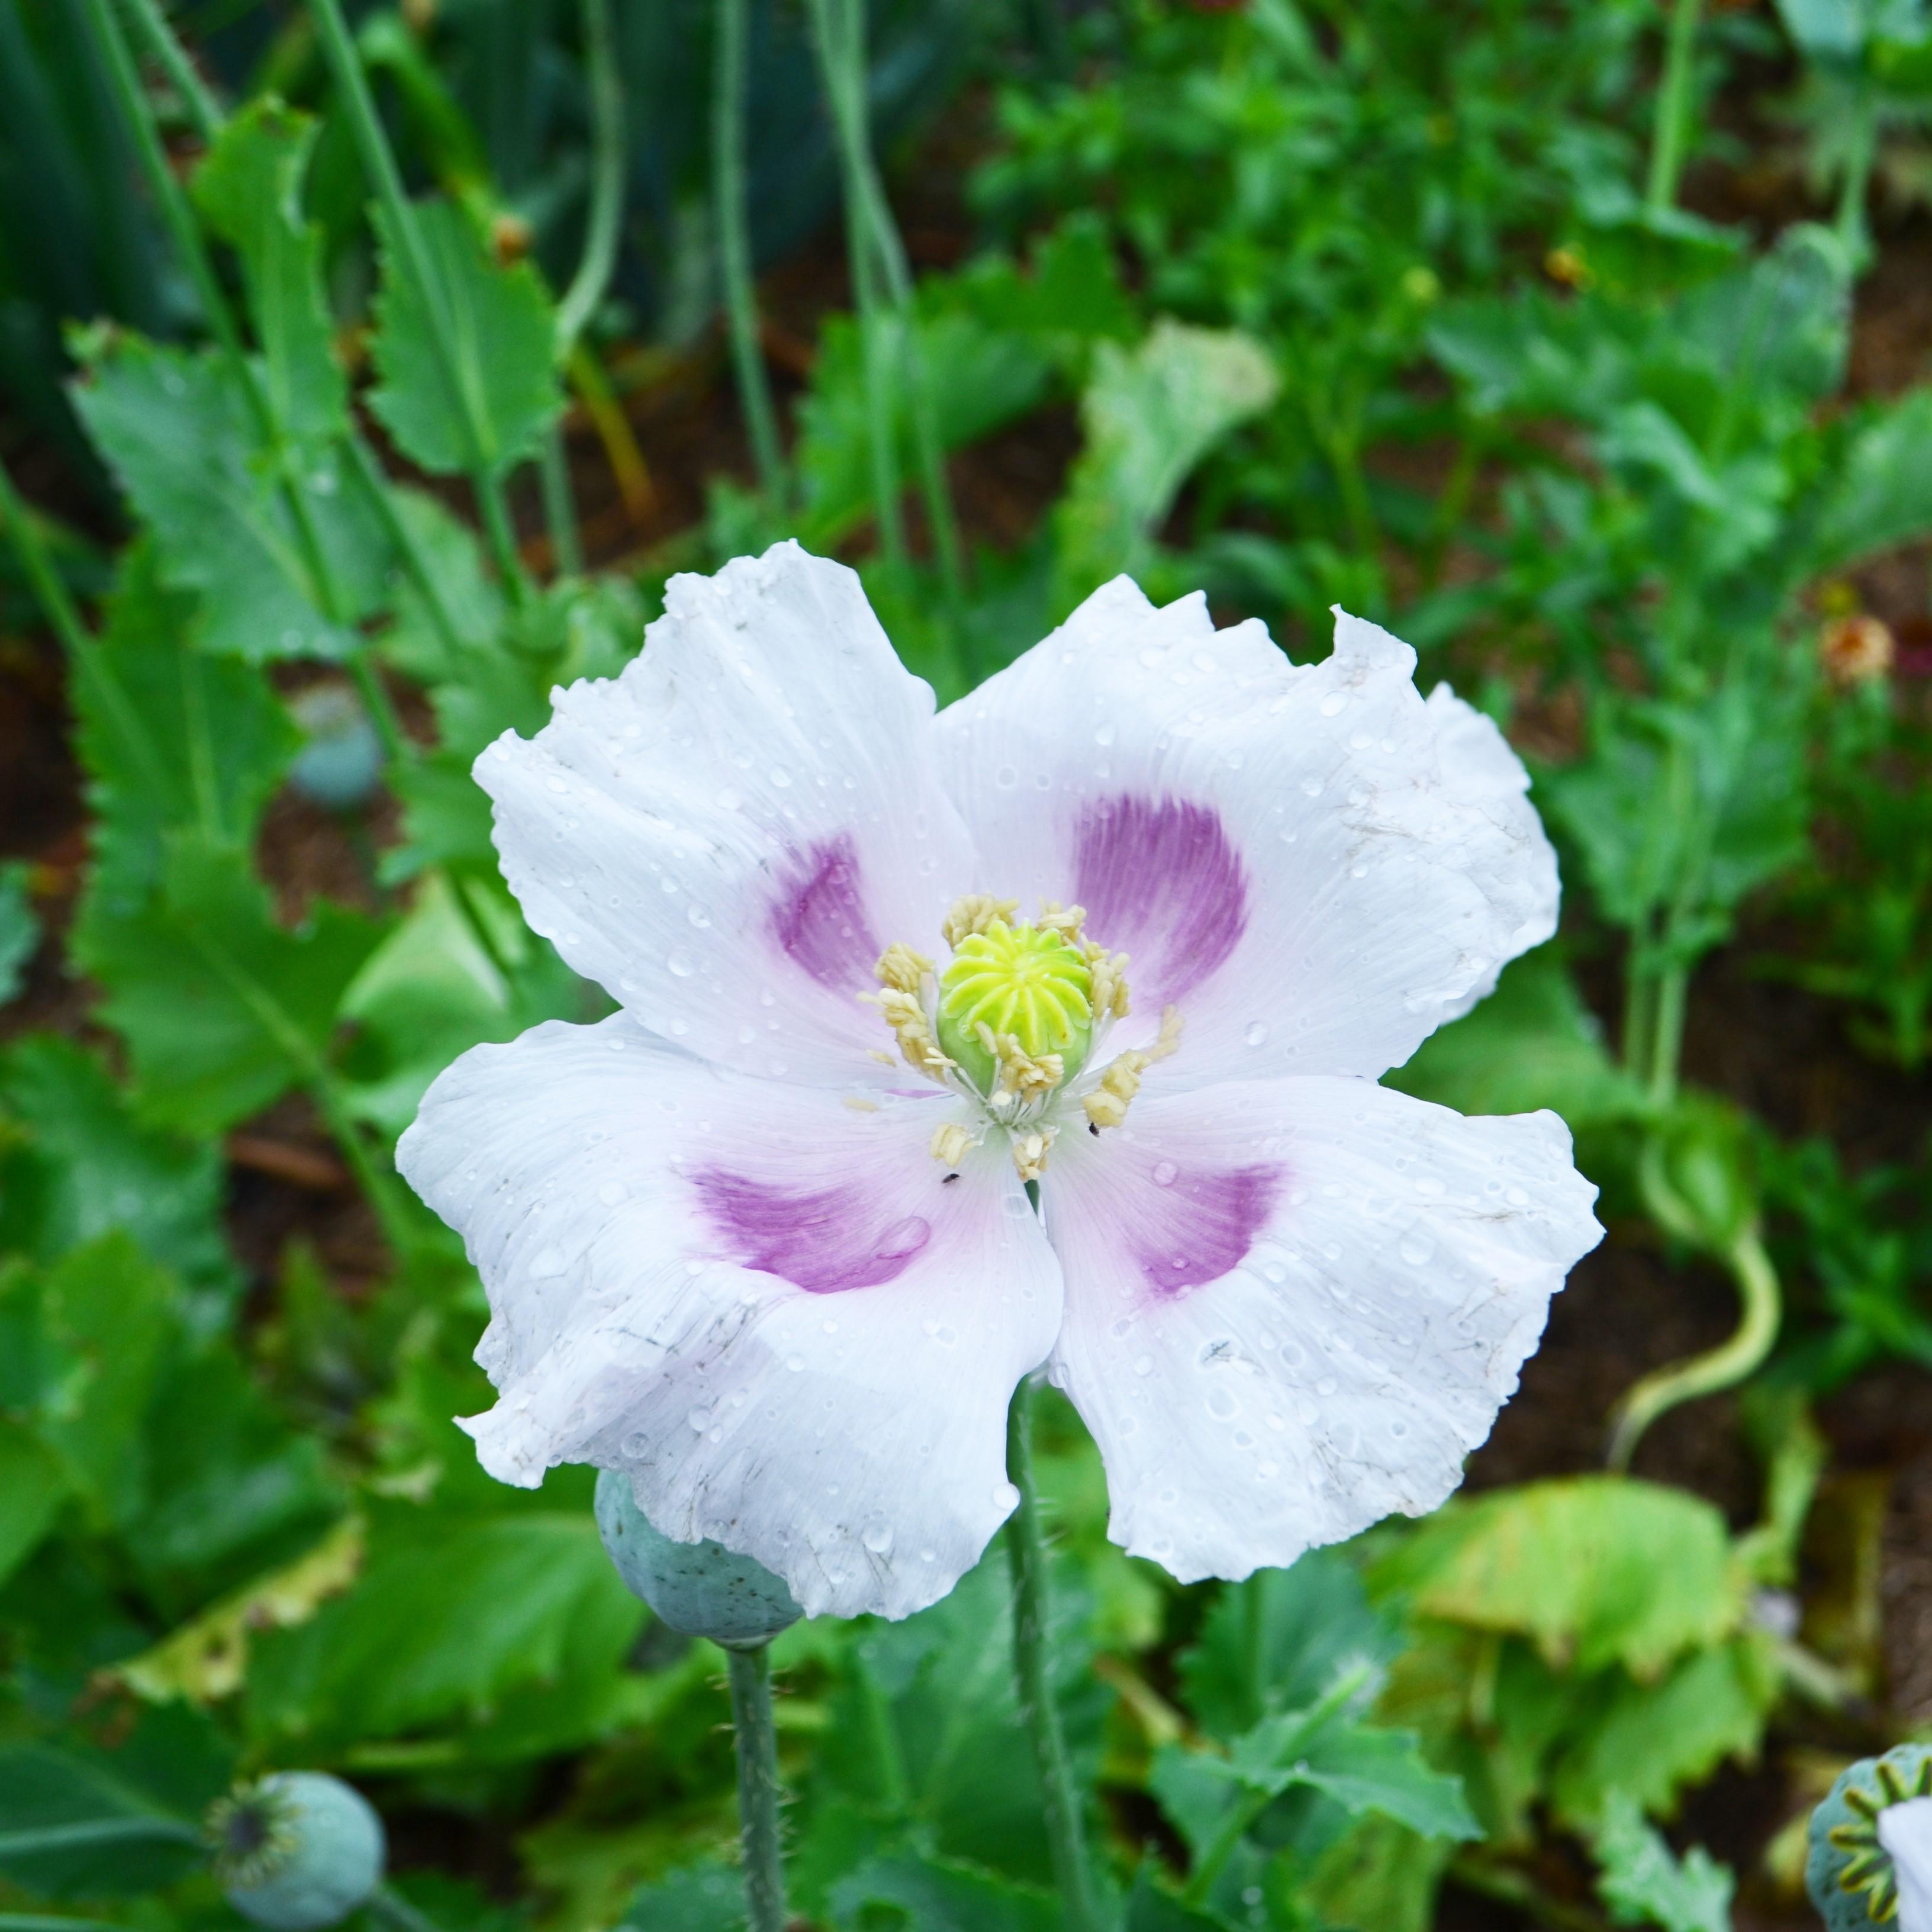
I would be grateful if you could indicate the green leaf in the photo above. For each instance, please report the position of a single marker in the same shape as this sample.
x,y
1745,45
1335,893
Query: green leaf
x,y
71,1826
1532,1043
494,321
1151,1907
249,190
454,1616
19,931
84,1166
1380,1876
1279,1641
1151,414
177,430
1880,493
1644,1883
33,1484
222,1009
709,1896
1651,1740
929,1894
1595,1569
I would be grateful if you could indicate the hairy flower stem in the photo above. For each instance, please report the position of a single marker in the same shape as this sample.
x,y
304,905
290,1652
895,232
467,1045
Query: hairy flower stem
x,y
757,1786
731,71
1026,1550
386,1902
1671,134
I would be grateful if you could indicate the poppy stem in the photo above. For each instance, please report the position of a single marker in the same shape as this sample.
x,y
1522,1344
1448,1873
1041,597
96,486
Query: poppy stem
x,y
758,1785
1026,1549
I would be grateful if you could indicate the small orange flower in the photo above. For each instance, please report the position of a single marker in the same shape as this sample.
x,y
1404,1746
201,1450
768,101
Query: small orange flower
x,y
1855,649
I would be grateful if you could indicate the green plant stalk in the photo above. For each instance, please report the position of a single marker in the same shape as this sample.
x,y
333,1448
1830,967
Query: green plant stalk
x,y
385,1902
1026,1551
151,25
1671,987
758,1786
566,540
96,1831
1721,1368
1671,133
879,425
379,163
731,69
606,181
1850,219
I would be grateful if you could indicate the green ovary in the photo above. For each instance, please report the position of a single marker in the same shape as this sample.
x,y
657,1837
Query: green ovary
x,y
1020,980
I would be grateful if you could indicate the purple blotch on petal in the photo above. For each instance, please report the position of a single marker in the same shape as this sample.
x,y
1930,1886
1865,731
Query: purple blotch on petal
x,y
1201,1224
819,916
822,1240
1159,880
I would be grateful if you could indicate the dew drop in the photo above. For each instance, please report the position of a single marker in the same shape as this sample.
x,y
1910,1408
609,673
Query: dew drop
x,y
878,1538
1006,1498
1006,778
680,963
1165,1174
1416,1249
796,1364
1332,703
1143,1365
1313,787
1257,1032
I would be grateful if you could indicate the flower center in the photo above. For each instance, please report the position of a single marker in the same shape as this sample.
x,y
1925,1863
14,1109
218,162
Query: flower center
x,y
1015,1008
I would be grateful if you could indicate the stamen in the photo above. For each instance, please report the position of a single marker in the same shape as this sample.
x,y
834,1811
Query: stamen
x,y
1030,1152
1065,920
974,913
907,1017
950,1144
902,969
1109,974
1025,1075
1107,1105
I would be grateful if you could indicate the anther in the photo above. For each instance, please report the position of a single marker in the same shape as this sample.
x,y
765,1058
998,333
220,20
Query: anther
x,y
974,913
950,1144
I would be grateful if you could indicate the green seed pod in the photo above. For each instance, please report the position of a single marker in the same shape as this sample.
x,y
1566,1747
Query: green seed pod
x,y
296,1851
701,1589
1852,1878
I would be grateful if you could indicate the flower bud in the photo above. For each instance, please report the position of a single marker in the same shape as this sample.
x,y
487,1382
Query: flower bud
x,y
296,1851
1871,1844
701,1589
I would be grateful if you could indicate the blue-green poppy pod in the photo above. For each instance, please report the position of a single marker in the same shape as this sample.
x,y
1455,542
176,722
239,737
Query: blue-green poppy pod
x,y
296,1851
1871,1844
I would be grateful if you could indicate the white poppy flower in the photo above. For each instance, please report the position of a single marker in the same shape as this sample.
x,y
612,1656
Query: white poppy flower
x,y
761,1240
1905,1831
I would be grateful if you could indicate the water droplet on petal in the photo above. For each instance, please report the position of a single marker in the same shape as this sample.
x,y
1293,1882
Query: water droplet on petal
x,y
878,1538
1165,1174
1006,1498
1256,1033
1417,1248
680,962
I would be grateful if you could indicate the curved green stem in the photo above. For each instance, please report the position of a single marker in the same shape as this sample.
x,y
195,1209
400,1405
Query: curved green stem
x,y
1850,221
152,26
607,180
1671,133
1720,1368
758,1786
96,1831
1026,1550
731,69
385,1902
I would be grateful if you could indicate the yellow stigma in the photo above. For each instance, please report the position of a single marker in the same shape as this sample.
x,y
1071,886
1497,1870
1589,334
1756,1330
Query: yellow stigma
x,y
1016,999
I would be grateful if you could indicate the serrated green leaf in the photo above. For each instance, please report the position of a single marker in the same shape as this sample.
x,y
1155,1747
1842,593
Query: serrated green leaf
x,y
1644,1882
33,1485
1880,494
1380,1876
176,429
454,1615
1531,1044
1151,414
928,1895
1595,1570
84,1166
19,931
221,1009
249,190
494,321
709,1896
216,740
1278,1641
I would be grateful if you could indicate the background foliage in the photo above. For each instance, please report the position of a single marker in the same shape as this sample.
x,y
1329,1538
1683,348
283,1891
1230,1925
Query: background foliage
x,y
1568,337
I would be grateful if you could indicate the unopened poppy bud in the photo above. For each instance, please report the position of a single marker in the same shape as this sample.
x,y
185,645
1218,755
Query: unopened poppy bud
x,y
296,1851
1871,1844
701,1589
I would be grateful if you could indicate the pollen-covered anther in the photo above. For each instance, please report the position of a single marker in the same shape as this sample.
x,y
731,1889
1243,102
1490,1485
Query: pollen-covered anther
x,y
1031,1149
912,1026
1067,921
950,1145
1024,1076
901,969
975,913
1109,974
1107,1105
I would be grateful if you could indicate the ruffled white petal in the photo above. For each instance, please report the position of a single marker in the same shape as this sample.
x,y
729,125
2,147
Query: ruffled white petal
x,y
1905,1831
1314,865
768,1307
727,836
1293,1306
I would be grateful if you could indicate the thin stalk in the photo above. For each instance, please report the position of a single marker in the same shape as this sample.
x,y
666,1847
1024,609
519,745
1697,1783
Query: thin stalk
x,y
758,1786
1666,1034
566,542
385,1902
1850,222
80,643
379,163
1026,1550
398,746
880,425
96,1831
152,26
1720,1368
606,181
1671,133
1639,1005
731,72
